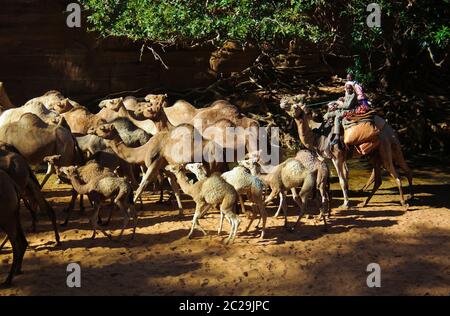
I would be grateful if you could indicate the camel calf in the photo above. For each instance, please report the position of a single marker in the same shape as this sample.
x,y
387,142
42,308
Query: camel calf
x,y
101,188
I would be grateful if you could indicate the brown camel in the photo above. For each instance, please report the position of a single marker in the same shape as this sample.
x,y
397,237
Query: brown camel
x,y
217,122
10,223
18,169
55,101
34,139
37,108
80,120
183,112
388,151
108,107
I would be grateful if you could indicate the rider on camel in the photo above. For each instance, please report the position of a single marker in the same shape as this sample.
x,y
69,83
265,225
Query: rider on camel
x,y
355,101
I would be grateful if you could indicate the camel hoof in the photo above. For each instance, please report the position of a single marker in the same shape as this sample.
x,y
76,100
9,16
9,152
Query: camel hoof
x,y
363,204
344,205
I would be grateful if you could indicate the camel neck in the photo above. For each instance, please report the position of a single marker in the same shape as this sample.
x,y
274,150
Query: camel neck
x,y
133,155
147,125
187,187
306,134
78,186
163,123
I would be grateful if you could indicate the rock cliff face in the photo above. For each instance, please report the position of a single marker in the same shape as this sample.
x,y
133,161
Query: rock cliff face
x,y
38,52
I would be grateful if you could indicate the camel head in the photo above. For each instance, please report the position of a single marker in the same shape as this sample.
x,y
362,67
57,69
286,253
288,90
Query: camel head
x,y
198,169
288,101
251,162
106,131
60,106
69,171
153,107
161,99
295,107
112,104
175,168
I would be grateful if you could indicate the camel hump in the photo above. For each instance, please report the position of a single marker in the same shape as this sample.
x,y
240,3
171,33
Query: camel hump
x,y
181,112
32,120
55,93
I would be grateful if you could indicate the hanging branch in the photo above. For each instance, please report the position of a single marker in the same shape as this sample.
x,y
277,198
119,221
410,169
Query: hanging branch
x,y
157,57
439,64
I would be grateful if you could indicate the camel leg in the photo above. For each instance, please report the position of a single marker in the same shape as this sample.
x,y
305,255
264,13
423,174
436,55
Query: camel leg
x,y
176,190
325,207
198,212
377,180
12,235
126,217
369,182
70,207
252,218
19,244
404,166
391,169
133,213
241,202
263,213
280,204
308,186
93,219
50,170
220,224
234,221
272,195
33,215
149,176
340,165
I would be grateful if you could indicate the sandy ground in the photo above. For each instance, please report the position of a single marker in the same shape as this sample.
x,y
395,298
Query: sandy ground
x,y
412,249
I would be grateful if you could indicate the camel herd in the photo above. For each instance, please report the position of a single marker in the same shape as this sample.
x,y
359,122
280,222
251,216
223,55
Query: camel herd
x,y
115,154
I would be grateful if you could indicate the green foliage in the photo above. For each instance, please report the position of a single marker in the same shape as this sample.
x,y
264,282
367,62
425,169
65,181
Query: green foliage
x,y
187,21
337,27
361,73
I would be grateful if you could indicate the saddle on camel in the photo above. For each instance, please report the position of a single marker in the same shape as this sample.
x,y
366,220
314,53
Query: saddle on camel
x,y
360,123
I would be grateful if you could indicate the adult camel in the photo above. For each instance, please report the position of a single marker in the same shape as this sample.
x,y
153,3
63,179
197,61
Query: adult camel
x,y
55,101
387,154
28,186
182,144
34,139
